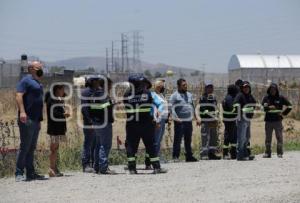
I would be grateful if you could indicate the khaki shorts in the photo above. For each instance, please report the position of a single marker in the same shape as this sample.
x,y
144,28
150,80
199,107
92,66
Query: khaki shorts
x,y
54,139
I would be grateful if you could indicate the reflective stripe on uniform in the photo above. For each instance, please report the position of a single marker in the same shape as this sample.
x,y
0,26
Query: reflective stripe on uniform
x,y
236,105
225,146
100,106
140,110
206,112
248,109
229,112
147,155
131,159
274,111
232,145
154,159
289,107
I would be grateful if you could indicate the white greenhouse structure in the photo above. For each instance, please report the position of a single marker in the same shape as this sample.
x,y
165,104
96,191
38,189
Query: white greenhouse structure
x,y
262,69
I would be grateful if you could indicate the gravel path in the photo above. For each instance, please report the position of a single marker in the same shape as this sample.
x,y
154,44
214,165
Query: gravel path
x,y
262,180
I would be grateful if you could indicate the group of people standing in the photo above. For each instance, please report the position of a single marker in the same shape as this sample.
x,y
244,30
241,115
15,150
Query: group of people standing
x,y
239,106
143,122
147,113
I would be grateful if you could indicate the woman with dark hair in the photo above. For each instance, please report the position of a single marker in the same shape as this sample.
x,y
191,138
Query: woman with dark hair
x,y
56,128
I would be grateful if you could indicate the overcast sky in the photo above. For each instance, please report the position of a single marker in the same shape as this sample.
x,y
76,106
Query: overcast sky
x,y
177,32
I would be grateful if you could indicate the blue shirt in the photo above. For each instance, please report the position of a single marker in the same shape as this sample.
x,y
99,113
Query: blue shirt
x,y
161,105
182,105
32,98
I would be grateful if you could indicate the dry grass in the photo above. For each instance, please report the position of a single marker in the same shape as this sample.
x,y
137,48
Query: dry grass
x,y
8,112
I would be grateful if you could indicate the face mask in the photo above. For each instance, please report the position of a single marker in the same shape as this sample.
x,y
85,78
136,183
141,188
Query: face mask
x,y
162,90
39,73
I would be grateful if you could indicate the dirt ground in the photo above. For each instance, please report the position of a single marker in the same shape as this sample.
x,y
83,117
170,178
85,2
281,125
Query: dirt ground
x,y
262,180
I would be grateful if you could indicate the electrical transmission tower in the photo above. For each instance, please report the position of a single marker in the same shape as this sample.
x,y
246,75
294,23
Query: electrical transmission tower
x,y
136,51
124,52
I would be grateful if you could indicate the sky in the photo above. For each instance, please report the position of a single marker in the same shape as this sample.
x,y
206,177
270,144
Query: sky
x,y
186,33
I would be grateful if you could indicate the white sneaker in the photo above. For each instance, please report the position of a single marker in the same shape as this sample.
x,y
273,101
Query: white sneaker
x,y
20,178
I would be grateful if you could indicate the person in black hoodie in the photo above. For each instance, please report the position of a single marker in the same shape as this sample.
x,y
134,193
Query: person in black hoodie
x,y
209,123
239,84
229,120
56,128
273,104
244,104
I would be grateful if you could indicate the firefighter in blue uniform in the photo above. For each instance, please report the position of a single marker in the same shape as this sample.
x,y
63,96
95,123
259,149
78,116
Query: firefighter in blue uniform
x,y
140,123
101,111
229,120
92,86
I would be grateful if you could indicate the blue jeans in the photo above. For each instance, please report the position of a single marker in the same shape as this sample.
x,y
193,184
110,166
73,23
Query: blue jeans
x,y
243,138
158,136
103,147
183,129
88,147
29,133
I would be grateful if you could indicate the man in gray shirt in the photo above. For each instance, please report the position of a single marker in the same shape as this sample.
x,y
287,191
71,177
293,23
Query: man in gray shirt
x,y
183,111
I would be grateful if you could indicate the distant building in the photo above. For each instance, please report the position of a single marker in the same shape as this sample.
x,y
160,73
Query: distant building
x,y
66,76
9,74
263,69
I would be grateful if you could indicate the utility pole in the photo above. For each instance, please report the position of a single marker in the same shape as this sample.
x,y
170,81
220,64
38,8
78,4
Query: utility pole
x,y
126,53
112,56
137,50
117,61
122,51
203,71
106,60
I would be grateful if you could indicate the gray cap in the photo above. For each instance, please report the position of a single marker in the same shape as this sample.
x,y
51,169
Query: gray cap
x,y
208,83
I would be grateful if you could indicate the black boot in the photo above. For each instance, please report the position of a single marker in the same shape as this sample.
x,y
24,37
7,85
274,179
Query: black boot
x,y
190,158
267,155
147,162
233,152
268,152
225,153
279,150
132,167
34,176
250,156
213,156
157,169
